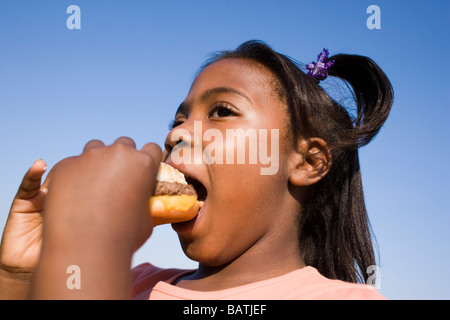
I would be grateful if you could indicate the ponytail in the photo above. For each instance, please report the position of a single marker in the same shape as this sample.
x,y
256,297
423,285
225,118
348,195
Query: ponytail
x,y
373,94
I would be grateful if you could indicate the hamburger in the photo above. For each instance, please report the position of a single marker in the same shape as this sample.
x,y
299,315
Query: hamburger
x,y
174,200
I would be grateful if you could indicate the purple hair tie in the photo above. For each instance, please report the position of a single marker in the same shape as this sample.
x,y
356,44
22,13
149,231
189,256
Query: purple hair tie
x,y
319,70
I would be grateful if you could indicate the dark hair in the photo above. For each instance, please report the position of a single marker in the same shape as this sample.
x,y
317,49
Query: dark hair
x,y
334,229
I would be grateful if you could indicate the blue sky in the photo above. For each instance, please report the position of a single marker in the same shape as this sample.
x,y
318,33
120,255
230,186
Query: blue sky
x,y
132,62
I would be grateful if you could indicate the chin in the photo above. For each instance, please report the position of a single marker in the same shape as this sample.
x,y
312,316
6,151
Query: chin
x,y
205,253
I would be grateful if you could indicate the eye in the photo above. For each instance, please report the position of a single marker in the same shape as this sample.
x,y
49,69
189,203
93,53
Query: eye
x,y
221,110
174,123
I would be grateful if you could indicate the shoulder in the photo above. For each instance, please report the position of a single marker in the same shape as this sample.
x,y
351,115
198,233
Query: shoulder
x,y
145,276
317,287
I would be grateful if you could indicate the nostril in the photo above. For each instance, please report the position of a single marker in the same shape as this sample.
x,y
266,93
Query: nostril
x,y
169,144
168,147
180,145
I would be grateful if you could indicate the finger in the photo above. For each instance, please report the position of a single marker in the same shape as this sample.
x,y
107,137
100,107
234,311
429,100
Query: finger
x,y
154,151
155,154
127,141
31,182
95,143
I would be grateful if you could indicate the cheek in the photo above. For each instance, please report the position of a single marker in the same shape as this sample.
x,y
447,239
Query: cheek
x,y
243,188
245,195
243,211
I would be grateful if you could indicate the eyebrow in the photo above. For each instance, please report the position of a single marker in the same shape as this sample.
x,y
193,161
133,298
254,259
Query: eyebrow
x,y
208,93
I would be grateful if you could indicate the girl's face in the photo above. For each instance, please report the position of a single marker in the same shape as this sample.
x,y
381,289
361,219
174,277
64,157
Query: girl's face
x,y
243,208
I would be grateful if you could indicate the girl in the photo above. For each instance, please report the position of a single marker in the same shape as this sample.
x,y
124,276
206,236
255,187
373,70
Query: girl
x,y
299,233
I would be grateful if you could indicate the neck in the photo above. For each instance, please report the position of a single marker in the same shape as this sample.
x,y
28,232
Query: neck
x,y
271,256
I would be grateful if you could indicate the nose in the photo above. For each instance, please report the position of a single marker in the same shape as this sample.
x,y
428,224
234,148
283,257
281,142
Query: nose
x,y
178,137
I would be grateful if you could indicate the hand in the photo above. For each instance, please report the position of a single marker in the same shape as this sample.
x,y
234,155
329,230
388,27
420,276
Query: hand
x,y
103,194
96,215
22,236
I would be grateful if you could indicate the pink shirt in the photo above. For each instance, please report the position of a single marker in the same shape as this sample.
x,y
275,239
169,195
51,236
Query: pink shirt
x,y
150,282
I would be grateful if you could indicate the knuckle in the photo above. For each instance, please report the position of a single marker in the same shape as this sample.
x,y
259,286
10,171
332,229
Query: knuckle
x,y
148,161
93,144
120,148
93,141
124,139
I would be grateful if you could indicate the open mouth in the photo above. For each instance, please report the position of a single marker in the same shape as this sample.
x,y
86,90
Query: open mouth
x,y
199,188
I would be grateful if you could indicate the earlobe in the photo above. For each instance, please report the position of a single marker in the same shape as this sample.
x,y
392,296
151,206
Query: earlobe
x,y
310,162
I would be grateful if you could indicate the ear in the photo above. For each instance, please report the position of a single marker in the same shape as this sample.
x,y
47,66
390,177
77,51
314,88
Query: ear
x,y
310,162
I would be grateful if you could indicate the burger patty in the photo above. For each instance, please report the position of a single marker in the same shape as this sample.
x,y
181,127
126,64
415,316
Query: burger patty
x,y
173,188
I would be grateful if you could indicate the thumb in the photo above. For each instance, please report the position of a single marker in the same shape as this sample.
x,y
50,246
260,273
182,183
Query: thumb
x,y
31,182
